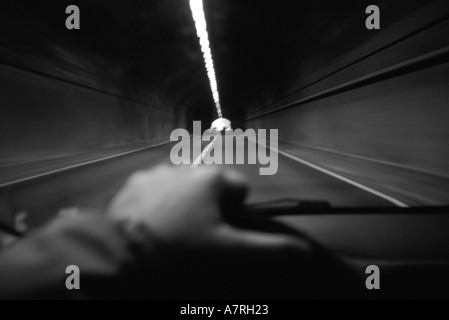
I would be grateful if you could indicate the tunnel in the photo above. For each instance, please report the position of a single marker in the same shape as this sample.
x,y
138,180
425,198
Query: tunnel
x,y
367,106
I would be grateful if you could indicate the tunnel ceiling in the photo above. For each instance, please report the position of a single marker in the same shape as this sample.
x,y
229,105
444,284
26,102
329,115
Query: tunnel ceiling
x,y
148,51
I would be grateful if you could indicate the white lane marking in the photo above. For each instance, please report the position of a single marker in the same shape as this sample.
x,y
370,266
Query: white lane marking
x,y
337,176
388,163
79,165
205,150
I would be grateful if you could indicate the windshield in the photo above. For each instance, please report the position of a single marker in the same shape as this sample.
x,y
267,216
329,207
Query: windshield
x,y
344,103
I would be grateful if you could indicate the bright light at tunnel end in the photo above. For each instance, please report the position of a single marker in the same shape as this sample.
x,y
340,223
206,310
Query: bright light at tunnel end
x,y
256,142
201,29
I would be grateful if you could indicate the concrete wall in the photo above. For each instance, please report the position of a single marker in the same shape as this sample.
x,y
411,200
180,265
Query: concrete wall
x,y
42,117
403,120
387,100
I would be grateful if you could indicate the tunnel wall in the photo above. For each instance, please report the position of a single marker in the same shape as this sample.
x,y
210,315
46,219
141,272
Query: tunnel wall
x,y
43,117
387,100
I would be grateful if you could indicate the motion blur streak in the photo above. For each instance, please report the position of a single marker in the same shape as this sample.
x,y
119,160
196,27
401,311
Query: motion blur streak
x,y
201,29
368,106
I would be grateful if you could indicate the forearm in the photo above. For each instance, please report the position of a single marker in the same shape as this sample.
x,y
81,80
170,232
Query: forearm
x,y
102,249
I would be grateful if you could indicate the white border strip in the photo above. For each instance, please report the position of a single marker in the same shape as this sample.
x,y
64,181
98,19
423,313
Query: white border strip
x,y
41,175
206,149
344,179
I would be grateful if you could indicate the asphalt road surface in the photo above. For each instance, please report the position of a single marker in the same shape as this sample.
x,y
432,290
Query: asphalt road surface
x,y
295,180
92,186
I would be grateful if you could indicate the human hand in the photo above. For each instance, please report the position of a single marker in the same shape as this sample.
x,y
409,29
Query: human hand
x,y
197,250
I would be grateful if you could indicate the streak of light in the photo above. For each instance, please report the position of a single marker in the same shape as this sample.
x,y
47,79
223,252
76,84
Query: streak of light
x,y
201,29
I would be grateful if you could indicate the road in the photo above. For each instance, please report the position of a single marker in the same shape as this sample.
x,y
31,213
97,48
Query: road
x,y
93,185
295,180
